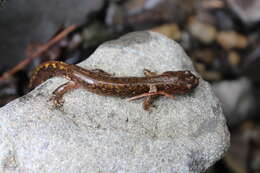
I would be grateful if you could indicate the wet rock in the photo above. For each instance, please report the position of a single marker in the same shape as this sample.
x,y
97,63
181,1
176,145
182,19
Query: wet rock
x,y
231,39
93,133
248,10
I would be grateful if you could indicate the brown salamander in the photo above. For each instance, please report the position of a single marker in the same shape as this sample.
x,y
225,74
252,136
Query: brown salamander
x,y
169,83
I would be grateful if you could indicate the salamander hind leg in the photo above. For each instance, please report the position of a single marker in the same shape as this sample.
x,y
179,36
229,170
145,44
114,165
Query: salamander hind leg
x,y
57,97
151,94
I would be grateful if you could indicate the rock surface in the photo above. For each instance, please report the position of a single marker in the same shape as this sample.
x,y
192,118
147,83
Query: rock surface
x,y
93,133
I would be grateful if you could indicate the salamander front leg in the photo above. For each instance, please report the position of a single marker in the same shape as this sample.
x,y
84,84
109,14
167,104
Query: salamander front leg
x,y
61,90
148,101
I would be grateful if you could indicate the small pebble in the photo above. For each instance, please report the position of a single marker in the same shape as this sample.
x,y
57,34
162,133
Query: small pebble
x,y
170,30
205,55
231,39
206,33
233,58
207,75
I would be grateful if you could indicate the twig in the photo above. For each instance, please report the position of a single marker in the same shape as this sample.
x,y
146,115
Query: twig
x,y
38,52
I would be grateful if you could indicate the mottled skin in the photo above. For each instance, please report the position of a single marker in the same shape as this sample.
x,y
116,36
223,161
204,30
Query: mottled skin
x,y
169,83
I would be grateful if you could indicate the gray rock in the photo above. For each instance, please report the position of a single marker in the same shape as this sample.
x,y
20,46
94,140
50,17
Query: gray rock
x,y
237,99
93,133
248,10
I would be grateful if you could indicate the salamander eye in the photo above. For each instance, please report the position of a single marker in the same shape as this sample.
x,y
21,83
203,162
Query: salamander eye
x,y
186,72
190,78
189,86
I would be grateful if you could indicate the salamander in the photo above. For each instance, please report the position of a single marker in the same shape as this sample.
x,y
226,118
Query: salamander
x,y
169,83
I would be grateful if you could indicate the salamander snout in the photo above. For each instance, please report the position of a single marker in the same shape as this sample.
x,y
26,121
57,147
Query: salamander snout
x,y
191,81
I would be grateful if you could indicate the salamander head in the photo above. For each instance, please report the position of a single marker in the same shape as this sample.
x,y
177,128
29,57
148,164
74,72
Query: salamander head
x,y
185,81
191,81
